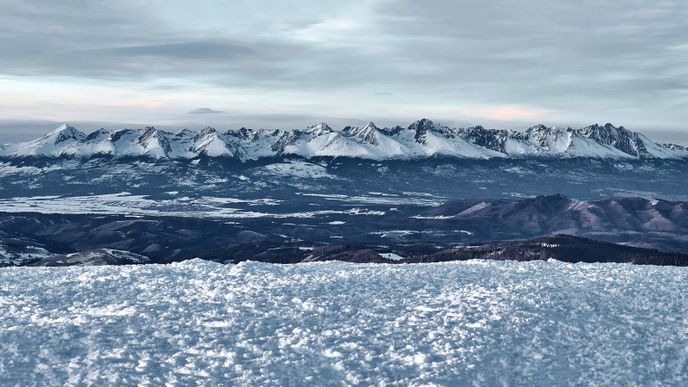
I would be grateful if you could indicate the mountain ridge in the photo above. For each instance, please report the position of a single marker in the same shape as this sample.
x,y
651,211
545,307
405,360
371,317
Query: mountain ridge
x,y
422,139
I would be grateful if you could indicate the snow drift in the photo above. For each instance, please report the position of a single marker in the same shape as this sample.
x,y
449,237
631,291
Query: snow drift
x,y
479,322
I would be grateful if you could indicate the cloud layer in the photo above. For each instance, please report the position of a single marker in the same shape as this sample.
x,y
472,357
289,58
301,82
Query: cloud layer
x,y
502,63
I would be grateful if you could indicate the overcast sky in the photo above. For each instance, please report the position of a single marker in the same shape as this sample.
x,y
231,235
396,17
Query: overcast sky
x,y
291,63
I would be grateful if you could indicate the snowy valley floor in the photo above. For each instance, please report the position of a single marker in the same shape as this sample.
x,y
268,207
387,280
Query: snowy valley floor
x,y
536,323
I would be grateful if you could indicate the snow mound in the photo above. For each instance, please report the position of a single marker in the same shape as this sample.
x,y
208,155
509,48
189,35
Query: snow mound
x,y
296,169
478,322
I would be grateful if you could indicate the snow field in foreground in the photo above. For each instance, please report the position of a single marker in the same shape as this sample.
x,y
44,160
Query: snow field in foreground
x,y
537,323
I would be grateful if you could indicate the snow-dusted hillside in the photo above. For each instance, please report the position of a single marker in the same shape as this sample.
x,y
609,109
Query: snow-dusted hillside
x,y
472,323
421,139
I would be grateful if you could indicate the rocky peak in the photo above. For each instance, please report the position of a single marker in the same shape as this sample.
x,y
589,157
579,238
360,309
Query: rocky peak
x,y
391,131
66,132
538,128
422,127
206,132
619,138
367,133
417,139
493,139
321,128
243,133
185,133
97,135
155,142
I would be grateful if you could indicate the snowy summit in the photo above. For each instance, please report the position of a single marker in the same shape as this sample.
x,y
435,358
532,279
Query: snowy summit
x,y
423,138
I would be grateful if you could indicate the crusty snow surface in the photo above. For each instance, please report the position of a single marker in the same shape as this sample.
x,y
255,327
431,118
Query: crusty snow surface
x,y
488,323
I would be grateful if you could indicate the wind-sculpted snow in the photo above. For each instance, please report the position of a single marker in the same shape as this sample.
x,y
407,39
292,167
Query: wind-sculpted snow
x,y
489,323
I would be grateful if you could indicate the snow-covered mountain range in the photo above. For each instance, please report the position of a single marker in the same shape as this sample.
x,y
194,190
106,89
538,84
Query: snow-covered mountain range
x,y
422,139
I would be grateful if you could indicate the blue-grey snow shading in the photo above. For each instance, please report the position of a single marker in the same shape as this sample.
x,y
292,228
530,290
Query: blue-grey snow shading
x,y
331,323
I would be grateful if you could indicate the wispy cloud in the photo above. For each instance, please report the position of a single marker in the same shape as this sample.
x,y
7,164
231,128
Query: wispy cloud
x,y
204,111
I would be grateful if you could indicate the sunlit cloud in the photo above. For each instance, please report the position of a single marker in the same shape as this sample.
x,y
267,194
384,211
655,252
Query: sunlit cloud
x,y
511,112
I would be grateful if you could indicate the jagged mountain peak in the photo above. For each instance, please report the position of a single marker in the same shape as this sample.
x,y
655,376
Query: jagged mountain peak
x,y
65,132
149,131
207,130
616,129
539,127
371,125
632,143
367,133
392,131
606,128
63,127
318,129
546,130
422,127
243,132
423,124
155,143
97,135
423,138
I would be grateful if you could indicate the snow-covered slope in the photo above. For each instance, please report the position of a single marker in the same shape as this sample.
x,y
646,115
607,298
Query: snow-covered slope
x,y
421,139
63,140
472,323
